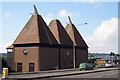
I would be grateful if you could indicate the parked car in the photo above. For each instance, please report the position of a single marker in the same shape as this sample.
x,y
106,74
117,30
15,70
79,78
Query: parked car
x,y
110,64
85,66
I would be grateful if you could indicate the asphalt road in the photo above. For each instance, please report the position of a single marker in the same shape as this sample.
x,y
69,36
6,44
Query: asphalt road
x,y
105,74
42,73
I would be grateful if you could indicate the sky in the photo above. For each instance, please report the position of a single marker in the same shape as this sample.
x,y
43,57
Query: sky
x,y
100,34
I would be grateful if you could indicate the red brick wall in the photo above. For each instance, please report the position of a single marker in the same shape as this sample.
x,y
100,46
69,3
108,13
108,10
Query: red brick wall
x,y
81,56
66,57
10,57
31,57
48,58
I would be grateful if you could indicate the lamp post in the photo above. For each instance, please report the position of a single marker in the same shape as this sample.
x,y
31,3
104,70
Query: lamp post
x,y
74,55
74,50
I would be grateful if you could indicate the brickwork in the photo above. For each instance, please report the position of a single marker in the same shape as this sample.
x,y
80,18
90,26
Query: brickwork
x,y
48,58
81,56
31,57
66,59
47,47
10,57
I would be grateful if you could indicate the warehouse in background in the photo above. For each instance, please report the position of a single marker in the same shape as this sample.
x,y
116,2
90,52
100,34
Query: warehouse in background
x,y
40,47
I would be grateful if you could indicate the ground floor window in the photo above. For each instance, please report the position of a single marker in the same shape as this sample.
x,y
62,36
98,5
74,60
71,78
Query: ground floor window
x,y
31,67
19,67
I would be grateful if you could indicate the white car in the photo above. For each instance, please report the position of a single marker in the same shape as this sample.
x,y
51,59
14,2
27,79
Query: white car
x,y
110,64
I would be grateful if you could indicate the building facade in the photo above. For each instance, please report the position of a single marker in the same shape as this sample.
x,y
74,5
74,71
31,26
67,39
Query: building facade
x,y
40,47
0,64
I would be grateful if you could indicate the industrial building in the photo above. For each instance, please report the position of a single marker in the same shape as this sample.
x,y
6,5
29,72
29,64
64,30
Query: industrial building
x,y
40,47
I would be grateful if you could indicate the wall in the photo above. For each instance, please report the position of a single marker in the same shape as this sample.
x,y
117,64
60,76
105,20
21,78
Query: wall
x,y
10,57
31,57
66,59
49,58
81,56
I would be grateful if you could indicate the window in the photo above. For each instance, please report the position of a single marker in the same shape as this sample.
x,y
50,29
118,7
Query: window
x,y
9,50
25,52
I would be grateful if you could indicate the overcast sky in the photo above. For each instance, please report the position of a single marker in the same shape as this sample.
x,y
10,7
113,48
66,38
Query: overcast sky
x,y
101,32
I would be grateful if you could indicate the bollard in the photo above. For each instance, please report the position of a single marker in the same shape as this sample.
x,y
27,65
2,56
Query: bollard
x,y
5,72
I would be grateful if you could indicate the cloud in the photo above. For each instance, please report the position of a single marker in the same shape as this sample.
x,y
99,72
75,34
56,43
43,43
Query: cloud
x,y
94,3
105,37
65,13
48,18
4,46
7,15
50,15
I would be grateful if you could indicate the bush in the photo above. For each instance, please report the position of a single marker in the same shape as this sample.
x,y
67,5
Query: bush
x,y
4,62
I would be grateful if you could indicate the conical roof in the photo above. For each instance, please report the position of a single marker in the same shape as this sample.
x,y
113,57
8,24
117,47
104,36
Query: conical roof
x,y
75,35
60,33
35,31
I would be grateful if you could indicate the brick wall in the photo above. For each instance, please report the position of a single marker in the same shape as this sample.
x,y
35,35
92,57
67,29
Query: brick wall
x,y
48,58
31,57
10,57
81,56
66,59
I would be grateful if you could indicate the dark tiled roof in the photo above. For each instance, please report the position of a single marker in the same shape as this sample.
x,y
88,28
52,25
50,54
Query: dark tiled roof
x,y
60,33
35,31
75,35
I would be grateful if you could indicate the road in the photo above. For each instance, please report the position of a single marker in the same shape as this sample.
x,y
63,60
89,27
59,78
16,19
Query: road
x,y
69,75
105,74
44,73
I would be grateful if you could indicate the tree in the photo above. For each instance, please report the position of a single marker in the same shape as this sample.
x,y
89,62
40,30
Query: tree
x,y
4,62
112,54
106,60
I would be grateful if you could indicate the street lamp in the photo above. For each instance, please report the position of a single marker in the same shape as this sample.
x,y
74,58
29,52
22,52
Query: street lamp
x,y
83,23
74,52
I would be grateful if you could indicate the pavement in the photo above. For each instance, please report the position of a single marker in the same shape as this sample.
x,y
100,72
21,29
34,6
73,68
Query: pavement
x,y
57,73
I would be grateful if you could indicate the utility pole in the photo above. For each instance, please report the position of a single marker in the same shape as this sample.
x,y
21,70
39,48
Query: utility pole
x,y
74,55
74,44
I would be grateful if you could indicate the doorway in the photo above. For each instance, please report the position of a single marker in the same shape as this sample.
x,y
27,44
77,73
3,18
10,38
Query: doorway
x,y
31,67
19,67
